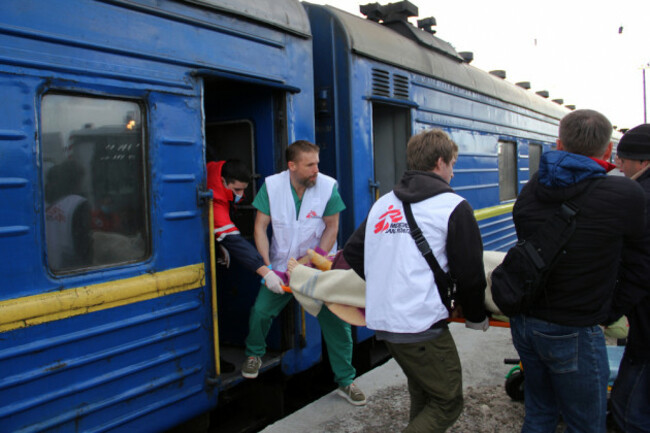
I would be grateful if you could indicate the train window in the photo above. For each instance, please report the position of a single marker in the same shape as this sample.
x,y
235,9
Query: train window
x,y
507,170
534,156
94,182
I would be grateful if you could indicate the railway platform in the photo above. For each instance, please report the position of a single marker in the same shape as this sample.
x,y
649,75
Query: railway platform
x,y
481,355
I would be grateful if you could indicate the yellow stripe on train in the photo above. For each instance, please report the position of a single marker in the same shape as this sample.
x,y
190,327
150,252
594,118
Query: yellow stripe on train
x,y
47,307
489,212
37,309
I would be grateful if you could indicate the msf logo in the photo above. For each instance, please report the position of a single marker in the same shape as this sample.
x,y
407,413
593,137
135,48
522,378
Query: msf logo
x,y
391,216
312,214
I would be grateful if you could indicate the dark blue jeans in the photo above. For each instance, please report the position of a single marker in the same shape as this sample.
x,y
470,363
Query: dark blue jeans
x,y
566,372
631,396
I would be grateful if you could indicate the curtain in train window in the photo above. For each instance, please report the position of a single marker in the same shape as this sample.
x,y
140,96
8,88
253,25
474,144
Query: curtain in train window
x,y
94,182
507,171
534,156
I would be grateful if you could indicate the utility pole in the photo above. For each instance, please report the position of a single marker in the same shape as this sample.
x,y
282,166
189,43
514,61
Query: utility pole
x,y
645,116
645,111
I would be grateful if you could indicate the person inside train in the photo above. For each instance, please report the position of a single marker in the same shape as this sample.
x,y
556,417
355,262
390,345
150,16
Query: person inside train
x,y
105,217
403,304
67,218
228,180
630,397
302,206
561,347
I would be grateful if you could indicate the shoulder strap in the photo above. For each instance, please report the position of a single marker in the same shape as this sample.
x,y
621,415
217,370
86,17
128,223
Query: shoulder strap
x,y
420,240
444,282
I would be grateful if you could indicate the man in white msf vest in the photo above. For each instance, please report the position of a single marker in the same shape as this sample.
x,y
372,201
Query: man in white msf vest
x,y
403,304
303,206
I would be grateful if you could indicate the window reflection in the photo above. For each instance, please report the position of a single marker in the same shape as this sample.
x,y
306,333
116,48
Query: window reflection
x,y
94,182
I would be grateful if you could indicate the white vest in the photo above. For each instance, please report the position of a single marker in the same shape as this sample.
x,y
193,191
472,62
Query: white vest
x,y
292,236
401,292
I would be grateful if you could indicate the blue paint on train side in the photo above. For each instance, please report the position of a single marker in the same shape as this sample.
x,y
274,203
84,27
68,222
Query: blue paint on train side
x,y
142,366
129,98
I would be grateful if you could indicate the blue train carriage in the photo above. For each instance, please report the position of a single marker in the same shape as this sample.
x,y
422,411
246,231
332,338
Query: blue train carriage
x,y
379,80
109,110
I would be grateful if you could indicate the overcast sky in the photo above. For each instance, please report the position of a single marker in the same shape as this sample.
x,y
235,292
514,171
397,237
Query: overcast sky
x,y
572,48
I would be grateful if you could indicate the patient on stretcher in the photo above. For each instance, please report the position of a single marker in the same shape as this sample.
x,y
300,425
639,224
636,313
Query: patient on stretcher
x,y
344,292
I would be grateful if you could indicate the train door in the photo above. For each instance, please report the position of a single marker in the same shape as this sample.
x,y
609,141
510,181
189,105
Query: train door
x,y
390,133
534,157
508,167
243,121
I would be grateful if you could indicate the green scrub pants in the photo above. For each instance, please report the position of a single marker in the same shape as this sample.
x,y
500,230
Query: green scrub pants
x,y
337,333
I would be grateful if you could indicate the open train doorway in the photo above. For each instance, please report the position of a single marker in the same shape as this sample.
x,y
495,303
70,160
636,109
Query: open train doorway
x,y
235,139
244,121
390,133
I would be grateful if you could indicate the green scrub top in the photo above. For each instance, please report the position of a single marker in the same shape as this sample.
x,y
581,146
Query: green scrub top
x,y
334,205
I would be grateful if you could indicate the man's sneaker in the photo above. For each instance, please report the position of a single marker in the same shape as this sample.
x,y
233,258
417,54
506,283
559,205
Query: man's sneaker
x,y
251,367
352,394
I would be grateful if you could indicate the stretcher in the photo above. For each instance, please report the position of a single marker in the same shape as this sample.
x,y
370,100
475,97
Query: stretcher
x,y
355,315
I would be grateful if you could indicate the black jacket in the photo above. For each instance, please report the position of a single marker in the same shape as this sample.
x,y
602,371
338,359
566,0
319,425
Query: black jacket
x,y
634,300
580,288
464,244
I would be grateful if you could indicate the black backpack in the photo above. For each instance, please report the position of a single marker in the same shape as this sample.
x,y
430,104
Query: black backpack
x,y
521,278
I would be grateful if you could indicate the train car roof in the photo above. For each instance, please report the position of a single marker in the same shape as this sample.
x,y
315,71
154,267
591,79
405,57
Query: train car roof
x,y
434,57
288,15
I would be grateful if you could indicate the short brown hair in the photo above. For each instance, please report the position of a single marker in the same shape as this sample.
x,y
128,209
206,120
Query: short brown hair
x,y
301,146
425,149
585,132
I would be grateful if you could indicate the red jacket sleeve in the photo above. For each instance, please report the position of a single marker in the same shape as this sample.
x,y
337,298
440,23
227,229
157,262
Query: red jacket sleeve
x,y
223,225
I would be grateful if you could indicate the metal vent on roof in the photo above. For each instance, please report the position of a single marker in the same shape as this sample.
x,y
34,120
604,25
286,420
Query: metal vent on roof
x,y
559,101
524,84
400,86
426,24
543,93
499,73
467,56
380,83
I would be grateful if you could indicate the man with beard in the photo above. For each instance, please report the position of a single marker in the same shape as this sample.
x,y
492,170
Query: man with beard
x,y
302,206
